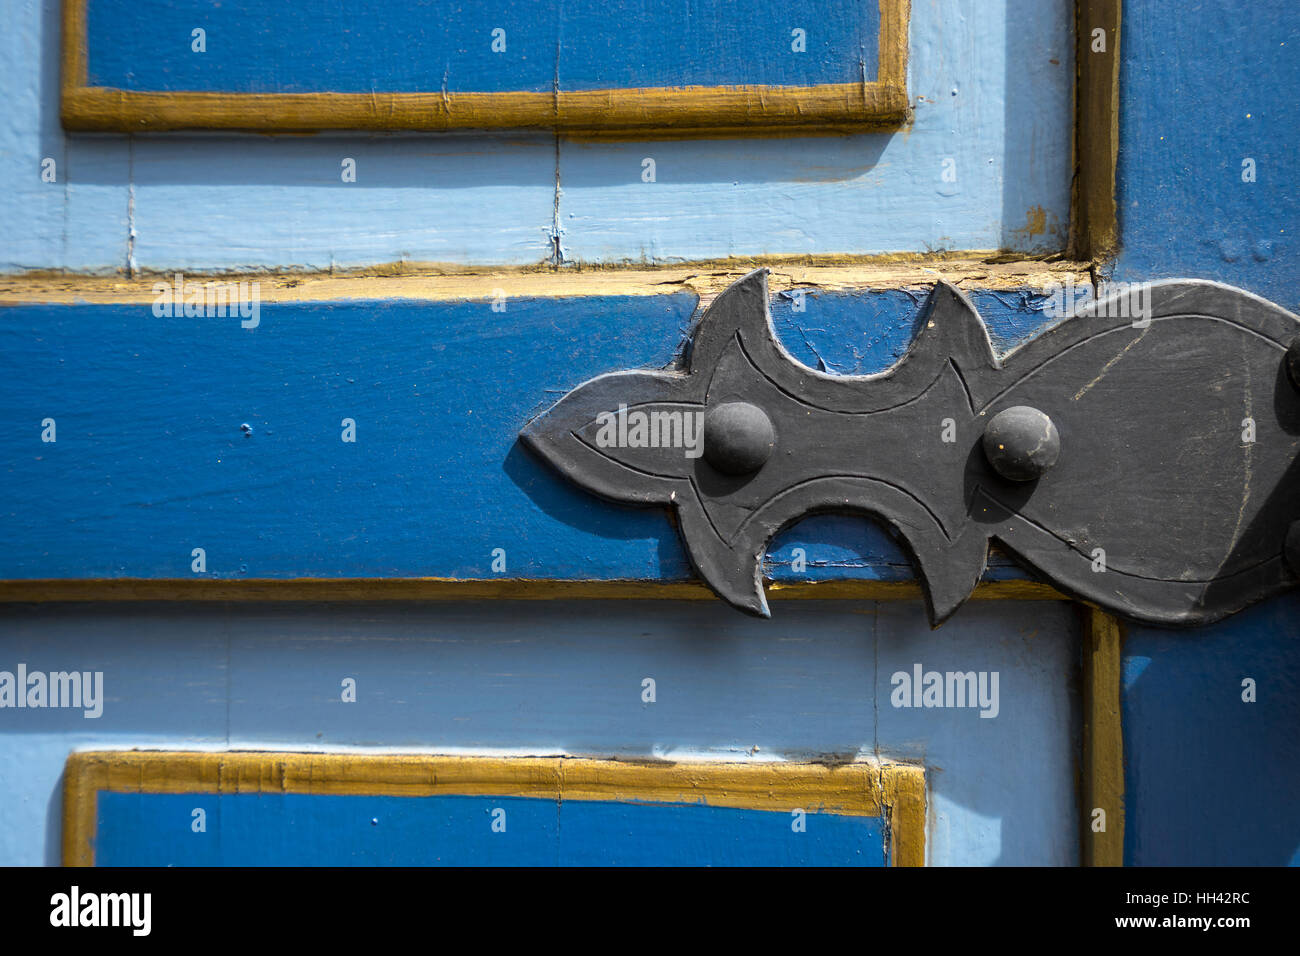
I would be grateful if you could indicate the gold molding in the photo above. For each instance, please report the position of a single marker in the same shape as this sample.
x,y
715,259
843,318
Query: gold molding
x,y
48,590
904,796
1103,740
896,791
1094,228
645,113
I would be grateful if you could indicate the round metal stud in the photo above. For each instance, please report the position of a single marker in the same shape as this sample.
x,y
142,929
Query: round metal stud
x,y
1021,443
738,438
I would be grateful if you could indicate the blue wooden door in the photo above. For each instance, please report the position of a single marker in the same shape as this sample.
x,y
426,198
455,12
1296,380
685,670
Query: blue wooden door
x,y
284,282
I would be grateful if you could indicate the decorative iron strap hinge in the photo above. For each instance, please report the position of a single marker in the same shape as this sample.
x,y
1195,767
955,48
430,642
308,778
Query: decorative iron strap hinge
x,y
1146,465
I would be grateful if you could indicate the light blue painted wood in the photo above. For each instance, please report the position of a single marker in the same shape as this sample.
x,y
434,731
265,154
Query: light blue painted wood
x,y
813,683
79,221
250,202
1033,649
1186,131
992,86
213,202
152,459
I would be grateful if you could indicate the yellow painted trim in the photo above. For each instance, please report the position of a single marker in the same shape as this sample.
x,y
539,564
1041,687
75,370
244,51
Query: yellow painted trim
x,y
435,282
903,792
719,110
864,789
1103,739
74,46
647,113
472,589
1094,220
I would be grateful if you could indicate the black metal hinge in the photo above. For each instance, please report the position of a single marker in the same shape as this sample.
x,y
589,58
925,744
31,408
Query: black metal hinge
x,y
1142,459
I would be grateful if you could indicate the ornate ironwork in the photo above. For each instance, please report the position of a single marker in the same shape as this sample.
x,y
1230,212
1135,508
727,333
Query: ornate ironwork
x,y
1140,459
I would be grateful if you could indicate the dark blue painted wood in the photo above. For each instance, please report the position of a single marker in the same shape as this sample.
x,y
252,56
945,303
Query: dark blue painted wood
x,y
359,46
152,460
292,829
1205,86
1212,778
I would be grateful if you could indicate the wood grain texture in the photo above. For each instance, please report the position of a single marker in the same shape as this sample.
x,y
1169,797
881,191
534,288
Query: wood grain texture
x,y
449,282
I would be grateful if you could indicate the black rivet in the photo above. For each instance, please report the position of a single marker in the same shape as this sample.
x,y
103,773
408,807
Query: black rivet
x,y
1293,362
1021,443
738,438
